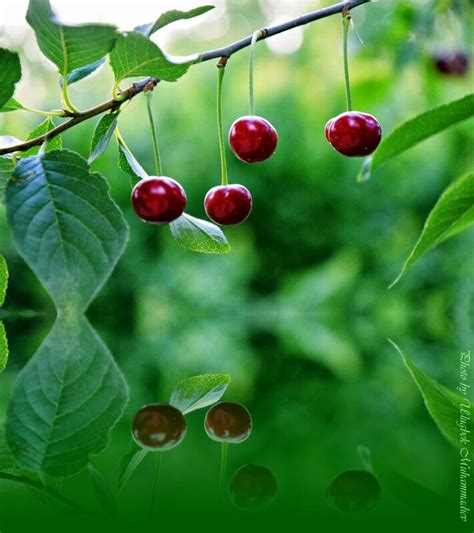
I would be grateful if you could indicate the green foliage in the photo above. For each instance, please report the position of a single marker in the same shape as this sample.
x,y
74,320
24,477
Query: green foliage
x,y
68,47
130,462
7,462
3,335
102,134
135,55
443,404
65,225
82,72
10,73
453,213
199,391
128,164
103,492
416,130
44,127
169,17
11,105
65,401
199,235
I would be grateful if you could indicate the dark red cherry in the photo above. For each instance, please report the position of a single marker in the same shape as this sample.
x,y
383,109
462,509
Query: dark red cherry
x,y
354,491
158,199
253,486
159,427
252,139
228,422
353,133
451,63
228,204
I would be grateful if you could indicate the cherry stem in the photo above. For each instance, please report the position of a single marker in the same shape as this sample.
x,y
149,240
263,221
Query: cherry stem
x,y
224,450
156,477
220,129
346,20
156,149
65,97
255,37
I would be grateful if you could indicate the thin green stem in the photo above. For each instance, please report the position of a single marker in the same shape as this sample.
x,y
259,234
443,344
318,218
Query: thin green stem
x,y
44,113
65,97
255,37
156,478
346,21
220,129
156,149
224,450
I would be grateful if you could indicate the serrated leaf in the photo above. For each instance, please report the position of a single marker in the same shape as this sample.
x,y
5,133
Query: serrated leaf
x,y
453,213
68,47
442,403
130,462
127,163
3,335
416,130
65,401
10,74
82,72
43,127
199,235
102,134
199,391
11,105
103,492
135,55
65,225
170,17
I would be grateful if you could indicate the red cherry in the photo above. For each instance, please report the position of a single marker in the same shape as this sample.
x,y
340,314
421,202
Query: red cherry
x,y
158,199
159,427
228,422
253,139
228,204
353,133
451,63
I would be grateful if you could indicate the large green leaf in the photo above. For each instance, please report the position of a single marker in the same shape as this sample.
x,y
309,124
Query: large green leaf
x,y
7,461
170,17
453,213
65,401
199,391
199,235
135,55
65,225
443,404
10,73
416,130
102,134
3,335
68,47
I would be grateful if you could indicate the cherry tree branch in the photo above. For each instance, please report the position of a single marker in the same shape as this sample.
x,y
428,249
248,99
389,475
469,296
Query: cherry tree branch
x,y
149,83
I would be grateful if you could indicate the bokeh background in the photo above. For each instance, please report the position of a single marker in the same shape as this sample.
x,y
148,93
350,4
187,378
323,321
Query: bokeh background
x,y
299,312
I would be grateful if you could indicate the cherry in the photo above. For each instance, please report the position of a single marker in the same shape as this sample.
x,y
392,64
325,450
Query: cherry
x,y
159,427
451,63
158,199
253,486
354,491
228,204
354,133
252,139
228,422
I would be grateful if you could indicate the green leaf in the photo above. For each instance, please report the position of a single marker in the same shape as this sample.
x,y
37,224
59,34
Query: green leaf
x,y
199,235
68,47
6,168
169,17
103,492
10,73
102,134
417,130
130,462
65,401
11,105
453,213
135,55
442,403
199,391
7,461
44,127
128,164
65,225
82,72
3,335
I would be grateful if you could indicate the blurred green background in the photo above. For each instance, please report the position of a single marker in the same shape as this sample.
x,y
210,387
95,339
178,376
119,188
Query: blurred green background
x,y
299,312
